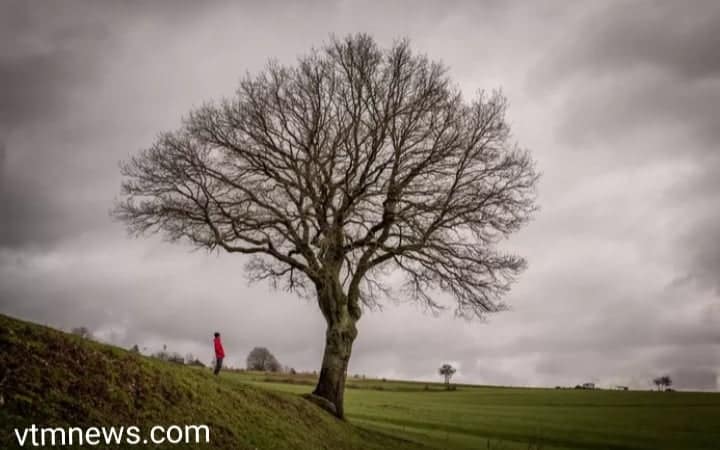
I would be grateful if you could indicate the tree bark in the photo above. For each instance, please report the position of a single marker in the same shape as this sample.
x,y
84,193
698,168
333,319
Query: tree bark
x,y
339,337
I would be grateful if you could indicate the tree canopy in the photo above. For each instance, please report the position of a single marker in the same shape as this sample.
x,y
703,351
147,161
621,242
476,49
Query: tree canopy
x,y
339,174
260,358
447,371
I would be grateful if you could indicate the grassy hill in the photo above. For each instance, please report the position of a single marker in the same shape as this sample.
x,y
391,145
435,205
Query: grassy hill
x,y
50,378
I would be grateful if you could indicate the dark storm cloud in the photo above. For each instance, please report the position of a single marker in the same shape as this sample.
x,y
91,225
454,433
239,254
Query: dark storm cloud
x,y
636,101
640,81
636,65
45,52
44,56
52,56
667,35
50,50
33,85
28,216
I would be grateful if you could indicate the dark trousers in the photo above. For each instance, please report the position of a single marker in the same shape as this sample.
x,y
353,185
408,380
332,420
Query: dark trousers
x,y
218,365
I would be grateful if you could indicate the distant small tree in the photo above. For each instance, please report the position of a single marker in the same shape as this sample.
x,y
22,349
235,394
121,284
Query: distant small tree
x,y
667,381
663,382
135,349
83,332
447,371
260,358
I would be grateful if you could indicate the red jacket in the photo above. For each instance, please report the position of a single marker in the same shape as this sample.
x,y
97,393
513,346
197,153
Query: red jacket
x,y
219,351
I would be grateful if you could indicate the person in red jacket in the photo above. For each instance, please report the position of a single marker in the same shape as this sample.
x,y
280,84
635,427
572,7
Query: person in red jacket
x,y
219,353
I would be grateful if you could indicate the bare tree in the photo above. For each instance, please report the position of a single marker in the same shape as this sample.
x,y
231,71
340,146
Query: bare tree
x,y
663,382
657,382
447,371
667,381
260,358
354,163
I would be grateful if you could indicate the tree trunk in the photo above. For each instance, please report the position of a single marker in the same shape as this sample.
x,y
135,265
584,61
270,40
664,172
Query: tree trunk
x,y
330,388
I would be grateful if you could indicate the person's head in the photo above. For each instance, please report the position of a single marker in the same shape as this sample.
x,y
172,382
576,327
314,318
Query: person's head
x,y
217,334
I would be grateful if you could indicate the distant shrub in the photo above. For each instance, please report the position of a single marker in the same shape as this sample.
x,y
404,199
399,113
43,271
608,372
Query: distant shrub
x,y
83,332
260,358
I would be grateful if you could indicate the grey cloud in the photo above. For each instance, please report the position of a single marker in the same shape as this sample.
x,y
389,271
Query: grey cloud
x,y
637,65
637,101
592,302
46,53
49,52
54,61
33,86
639,83
26,214
698,241
704,251
623,36
702,379
28,219
41,207
612,335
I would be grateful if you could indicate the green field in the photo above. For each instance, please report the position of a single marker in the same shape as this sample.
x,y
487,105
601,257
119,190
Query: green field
x,y
51,378
474,417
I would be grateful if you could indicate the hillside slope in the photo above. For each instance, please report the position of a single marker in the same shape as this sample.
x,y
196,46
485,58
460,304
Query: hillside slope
x,y
50,378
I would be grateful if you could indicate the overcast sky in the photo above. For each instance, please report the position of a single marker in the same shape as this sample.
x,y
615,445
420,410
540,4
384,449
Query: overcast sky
x,y
618,102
